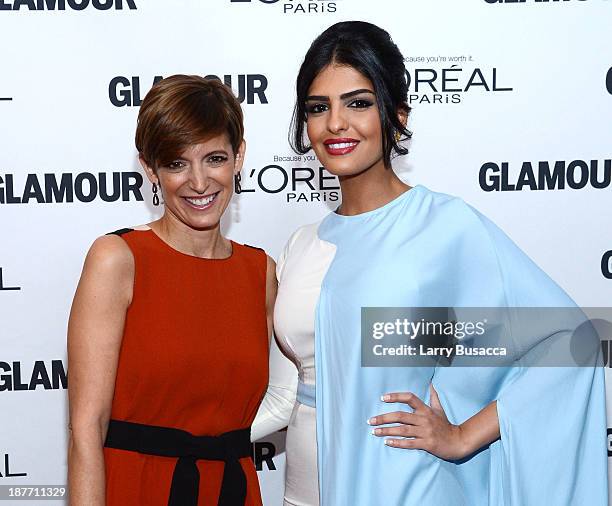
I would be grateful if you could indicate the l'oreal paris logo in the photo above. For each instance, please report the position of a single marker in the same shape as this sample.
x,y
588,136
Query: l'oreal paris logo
x,y
298,184
445,82
299,6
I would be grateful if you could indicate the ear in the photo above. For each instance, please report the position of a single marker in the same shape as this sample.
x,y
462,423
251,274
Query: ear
x,y
151,175
240,157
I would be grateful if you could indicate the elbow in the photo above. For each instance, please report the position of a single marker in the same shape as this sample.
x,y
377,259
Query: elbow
x,y
87,432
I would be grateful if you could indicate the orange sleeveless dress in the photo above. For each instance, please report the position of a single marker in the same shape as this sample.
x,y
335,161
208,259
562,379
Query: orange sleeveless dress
x,y
194,357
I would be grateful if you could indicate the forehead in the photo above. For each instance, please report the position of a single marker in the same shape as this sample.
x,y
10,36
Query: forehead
x,y
338,79
215,143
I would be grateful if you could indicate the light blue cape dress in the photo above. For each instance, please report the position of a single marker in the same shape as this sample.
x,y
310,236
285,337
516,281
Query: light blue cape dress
x,y
429,249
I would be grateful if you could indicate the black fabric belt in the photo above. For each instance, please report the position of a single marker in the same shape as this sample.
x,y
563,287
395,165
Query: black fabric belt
x,y
169,442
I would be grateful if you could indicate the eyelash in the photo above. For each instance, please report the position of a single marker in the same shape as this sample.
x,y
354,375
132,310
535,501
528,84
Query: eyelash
x,y
217,159
365,103
360,103
175,165
214,160
314,108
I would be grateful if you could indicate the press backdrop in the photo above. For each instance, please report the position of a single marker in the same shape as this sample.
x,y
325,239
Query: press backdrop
x,y
512,111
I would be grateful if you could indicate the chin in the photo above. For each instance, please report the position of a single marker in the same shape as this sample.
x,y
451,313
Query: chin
x,y
203,224
346,168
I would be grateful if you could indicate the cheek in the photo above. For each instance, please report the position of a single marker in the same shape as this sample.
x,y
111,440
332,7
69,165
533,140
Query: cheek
x,y
223,175
313,128
171,182
368,125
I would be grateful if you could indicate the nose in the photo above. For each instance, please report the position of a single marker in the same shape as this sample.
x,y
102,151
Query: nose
x,y
198,178
336,120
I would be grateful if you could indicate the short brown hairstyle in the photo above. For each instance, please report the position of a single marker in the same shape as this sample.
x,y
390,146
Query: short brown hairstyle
x,y
180,111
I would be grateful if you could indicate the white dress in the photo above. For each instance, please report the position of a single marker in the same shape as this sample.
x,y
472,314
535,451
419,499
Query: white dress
x,y
300,271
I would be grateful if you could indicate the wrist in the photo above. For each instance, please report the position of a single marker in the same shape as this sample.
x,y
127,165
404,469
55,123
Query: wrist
x,y
465,444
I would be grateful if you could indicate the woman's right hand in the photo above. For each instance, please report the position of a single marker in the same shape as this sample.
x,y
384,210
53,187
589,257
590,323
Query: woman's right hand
x,y
95,330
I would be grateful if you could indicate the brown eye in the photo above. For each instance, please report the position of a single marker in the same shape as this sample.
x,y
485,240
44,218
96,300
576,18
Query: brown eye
x,y
217,159
175,165
360,103
316,108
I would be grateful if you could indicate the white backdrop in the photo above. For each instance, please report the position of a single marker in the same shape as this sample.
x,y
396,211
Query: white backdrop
x,y
524,83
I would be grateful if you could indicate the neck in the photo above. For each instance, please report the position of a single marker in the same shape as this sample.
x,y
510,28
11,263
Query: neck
x,y
205,243
369,190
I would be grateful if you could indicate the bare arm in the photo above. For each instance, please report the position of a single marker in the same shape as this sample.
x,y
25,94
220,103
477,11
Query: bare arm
x,y
95,331
480,430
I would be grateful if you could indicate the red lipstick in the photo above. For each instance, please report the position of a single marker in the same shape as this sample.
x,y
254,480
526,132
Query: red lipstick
x,y
340,146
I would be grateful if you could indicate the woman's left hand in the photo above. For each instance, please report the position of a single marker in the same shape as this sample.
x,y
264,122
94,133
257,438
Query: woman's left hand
x,y
427,427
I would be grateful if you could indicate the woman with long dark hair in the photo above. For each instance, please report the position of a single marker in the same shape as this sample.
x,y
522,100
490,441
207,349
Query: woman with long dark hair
x,y
470,436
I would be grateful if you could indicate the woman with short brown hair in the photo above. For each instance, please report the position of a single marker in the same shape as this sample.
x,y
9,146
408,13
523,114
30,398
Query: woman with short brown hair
x,y
169,330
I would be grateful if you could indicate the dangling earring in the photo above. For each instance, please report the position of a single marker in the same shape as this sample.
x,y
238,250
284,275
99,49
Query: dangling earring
x,y
155,196
237,185
398,136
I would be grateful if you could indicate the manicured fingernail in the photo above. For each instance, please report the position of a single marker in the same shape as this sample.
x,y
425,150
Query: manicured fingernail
x,y
389,442
385,398
372,420
376,432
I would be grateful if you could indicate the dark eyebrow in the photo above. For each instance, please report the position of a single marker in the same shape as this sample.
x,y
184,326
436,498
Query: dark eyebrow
x,y
344,96
318,98
356,92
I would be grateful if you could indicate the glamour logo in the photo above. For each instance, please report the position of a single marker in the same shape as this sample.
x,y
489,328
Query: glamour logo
x,y
447,84
7,288
609,442
66,187
559,175
61,5
264,452
299,184
6,472
300,6
126,91
606,264
609,81
11,376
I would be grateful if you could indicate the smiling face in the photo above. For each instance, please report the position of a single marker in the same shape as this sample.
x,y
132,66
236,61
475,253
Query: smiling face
x,y
198,185
343,123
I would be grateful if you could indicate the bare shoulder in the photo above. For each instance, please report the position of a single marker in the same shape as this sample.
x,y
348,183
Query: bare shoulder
x,y
109,270
110,254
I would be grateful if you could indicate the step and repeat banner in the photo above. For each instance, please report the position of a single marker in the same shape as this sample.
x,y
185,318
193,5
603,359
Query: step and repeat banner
x,y
512,111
